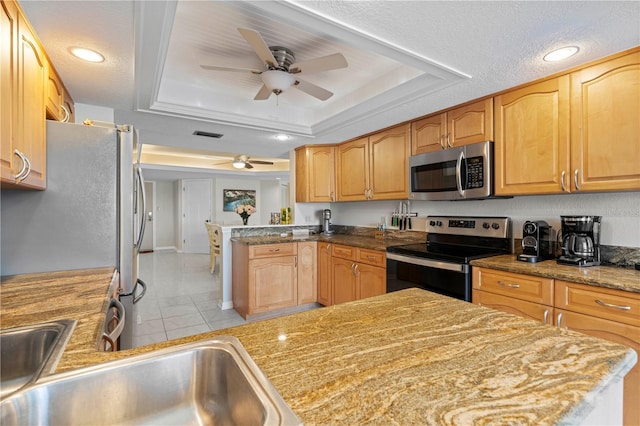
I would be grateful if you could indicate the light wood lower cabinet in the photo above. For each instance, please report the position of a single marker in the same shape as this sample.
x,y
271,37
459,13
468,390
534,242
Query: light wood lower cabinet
x,y
610,314
357,273
272,276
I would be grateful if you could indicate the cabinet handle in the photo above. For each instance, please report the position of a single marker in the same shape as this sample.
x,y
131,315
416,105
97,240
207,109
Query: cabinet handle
x,y
274,250
295,261
575,180
332,196
449,140
562,185
442,142
609,305
26,175
328,248
545,318
511,285
355,269
23,159
559,320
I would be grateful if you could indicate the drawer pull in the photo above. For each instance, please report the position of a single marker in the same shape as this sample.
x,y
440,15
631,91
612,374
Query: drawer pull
x,y
511,285
273,250
609,305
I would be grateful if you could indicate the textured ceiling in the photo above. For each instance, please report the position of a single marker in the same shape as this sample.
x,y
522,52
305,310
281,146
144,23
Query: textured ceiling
x,y
406,59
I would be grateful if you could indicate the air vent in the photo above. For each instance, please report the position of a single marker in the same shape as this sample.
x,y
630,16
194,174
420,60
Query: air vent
x,y
208,134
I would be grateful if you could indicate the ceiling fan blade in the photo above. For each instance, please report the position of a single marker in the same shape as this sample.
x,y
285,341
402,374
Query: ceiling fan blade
x,y
257,43
270,163
325,63
248,165
232,69
313,90
263,93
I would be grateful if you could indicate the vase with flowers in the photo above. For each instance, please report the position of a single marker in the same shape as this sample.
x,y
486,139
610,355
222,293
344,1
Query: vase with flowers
x,y
245,210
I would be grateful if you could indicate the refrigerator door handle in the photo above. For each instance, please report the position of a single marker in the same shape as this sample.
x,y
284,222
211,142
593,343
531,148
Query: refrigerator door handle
x,y
142,284
144,206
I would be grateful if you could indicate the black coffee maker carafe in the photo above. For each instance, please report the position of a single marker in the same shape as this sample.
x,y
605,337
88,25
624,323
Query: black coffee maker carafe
x,y
579,238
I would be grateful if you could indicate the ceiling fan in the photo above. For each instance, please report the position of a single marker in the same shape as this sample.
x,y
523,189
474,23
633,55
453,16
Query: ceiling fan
x,y
280,68
243,162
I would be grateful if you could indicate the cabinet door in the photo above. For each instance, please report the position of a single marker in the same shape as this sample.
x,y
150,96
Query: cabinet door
x,y
352,175
470,123
315,174
522,308
389,153
616,332
32,76
344,280
324,274
605,126
427,134
8,89
372,280
272,283
307,272
532,139
54,95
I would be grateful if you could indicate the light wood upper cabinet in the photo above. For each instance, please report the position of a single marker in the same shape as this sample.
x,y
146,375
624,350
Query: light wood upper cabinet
x,y
352,170
532,139
605,126
315,174
24,74
459,126
374,167
55,95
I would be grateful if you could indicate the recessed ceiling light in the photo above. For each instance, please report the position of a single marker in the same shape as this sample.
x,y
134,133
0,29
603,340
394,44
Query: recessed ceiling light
x,y
560,54
282,137
86,54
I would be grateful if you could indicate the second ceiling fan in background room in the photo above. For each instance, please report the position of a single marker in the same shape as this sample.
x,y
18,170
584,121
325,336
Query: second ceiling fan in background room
x,y
281,71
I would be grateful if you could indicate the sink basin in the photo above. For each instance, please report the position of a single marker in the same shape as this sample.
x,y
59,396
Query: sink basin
x,y
27,353
209,382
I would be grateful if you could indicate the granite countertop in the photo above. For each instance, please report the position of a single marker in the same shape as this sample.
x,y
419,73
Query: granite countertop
x,y
405,357
626,279
82,295
346,239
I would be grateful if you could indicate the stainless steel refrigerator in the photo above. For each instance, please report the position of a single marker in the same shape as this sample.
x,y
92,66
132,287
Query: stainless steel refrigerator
x,y
88,215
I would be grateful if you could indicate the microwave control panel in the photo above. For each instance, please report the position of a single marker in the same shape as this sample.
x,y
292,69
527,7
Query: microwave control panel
x,y
475,173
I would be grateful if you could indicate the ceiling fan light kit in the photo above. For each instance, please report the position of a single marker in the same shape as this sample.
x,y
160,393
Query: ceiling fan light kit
x,y
277,81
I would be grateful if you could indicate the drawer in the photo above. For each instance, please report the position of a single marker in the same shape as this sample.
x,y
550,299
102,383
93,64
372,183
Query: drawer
x,y
615,305
344,252
519,286
270,250
372,257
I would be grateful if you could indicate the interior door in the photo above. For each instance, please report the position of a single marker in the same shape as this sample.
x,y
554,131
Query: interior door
x,y
149,231
196,209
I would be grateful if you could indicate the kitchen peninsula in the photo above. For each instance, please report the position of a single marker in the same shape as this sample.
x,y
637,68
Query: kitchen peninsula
x,y
411,357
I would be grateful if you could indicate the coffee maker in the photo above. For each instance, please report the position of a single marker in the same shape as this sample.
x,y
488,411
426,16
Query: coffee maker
x,y
537,241
326,222
580,240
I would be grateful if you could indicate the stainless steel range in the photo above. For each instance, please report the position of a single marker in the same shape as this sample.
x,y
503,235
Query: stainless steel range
x,y
442,264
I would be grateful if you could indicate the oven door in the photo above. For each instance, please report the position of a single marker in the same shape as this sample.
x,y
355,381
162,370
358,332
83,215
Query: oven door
x,y
450,279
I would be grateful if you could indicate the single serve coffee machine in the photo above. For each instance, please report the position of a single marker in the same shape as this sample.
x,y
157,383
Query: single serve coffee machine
x,y
580,240
538,241
326,222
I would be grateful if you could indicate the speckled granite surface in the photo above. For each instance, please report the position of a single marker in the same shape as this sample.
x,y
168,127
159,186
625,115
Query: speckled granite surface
x,y
601,276
81,295
362,241
401,358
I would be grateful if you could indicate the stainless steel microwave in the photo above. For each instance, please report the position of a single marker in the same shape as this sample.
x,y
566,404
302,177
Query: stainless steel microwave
x,y
459,173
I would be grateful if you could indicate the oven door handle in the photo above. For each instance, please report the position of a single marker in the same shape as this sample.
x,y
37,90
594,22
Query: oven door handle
x,y
456,267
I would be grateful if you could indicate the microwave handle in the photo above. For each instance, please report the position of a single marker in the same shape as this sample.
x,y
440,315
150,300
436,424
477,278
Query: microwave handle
x,y
459,174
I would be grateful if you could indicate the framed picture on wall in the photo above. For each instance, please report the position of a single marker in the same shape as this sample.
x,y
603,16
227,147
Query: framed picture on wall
x,y
232,198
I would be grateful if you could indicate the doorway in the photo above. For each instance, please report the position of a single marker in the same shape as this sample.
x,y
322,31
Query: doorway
x,y
196,209
148,239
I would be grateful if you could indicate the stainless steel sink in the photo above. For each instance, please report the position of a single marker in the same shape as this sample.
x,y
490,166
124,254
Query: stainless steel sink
x,y
205,383
27,353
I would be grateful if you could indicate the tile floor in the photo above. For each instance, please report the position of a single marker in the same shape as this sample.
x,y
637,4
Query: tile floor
x,y
181,299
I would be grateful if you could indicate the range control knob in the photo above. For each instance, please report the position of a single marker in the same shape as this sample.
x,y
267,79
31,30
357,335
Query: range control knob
x,y
485,225
438,223
495,225
432,222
